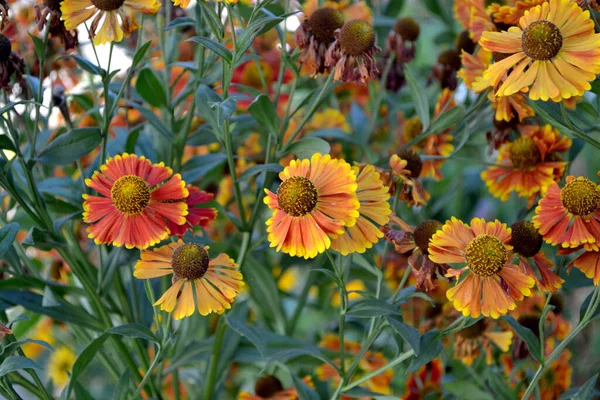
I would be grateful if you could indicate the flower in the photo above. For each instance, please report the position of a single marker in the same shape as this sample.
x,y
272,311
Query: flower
x,y
494,283
425,382
269,387
10,64
374,212
588,263
414,240
570,216
60,364
439,144
315,201
407,165
57,27
511,14
76,12
315,35
198,281
446,68
478,336
196,216
529,164
556,378
527,242
553,53
136,200
400,44
473,16
352,52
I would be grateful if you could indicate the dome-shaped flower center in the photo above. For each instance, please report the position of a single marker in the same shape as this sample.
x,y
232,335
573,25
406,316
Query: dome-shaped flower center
x,y
424,231
267,386
580,197
190,261
408,28
414,163
324,21
108,5
297,196
130,194
541,40
450,58
486,255
5,48
524,154
357,37
251,74
474,331
525,239
412,129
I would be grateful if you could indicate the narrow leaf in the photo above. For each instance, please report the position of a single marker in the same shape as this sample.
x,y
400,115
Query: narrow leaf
x,y
150,88
8,233
15,363
419,97
410,334
70,146
215,47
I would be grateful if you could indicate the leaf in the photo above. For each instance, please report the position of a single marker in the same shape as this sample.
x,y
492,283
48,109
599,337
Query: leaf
x,y
249,332
289,354
85,65
180,22
153,120
213,20
467,390
134,331
150,88
59,222
86,356
304,391
256,28
410,334
124,386
9,348
214,46
40,239
15,363
584,307
204,97
371,308
263,290
38,43
533,343
8,234
49,299
419,97
140,53
70,146
263,111
306,147
198,166
447,119
586,391
7,144
430,347
257,169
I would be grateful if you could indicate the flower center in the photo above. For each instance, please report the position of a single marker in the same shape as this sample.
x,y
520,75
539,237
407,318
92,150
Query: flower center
x,y
324,21
542,40
486,255
5,48
525,239
580,197
190,261
407,28
130,194
412,129
451,58
414,163
267,386
297,196
357,37
524,154
107,5
424,231
474,331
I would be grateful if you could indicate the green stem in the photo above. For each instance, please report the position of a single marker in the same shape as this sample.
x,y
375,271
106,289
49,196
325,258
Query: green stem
x,y
148,376
108,108
39,95
402,357
214,360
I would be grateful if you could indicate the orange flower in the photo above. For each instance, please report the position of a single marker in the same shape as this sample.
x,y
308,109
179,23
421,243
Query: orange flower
x,y
136,200
570,216
374,212
426,382
196,216
480,336
474,17
529,164
511,15
198,281
315,201
494,283
408,166
439,144
588,263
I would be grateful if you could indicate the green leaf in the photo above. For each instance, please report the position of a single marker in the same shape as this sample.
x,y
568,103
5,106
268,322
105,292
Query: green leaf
x,y
213,20
263,111
306,147
256,28
304,391
124,387
370,308
150,88
86,356
257,169
15,363
214,46
7,144
447,119
38,43
249,332
8,233
180,22
153,120
467,390
140,53
289,354
85,65
132,139
40,239
419,97
198,166
11,347
70,146
584,307
430,347
135,331
533,343
586,392
263,290
410,334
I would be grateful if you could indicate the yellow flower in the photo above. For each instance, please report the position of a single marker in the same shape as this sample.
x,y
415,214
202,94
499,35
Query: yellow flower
x,y
60,364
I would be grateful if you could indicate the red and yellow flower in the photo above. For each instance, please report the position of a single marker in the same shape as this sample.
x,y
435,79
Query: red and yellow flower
x,y
196,216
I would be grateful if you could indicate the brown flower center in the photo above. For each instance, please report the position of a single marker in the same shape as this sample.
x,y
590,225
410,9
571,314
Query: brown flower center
x,y
130,194
580,197
412,129
414,162
267,386
408,28
464,42
450,58
486,255
524,153
424,231
542,40
499,56
357,37
324,21
5,48
474,331
297,196
525,239
108,5
190,261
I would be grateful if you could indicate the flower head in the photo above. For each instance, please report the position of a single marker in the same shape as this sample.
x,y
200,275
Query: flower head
x,y
314,203
10,65
60,364
196,216
407,165
481,335
136,200
49,13
208,284
493,284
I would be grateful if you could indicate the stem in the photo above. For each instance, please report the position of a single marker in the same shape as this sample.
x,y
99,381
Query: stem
x,y
39,95
108,108
541,325
402,357
148,376
214,360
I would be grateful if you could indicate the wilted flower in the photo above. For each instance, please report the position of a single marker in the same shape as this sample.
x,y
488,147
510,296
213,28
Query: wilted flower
x,y
49,14
10,64
407,165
